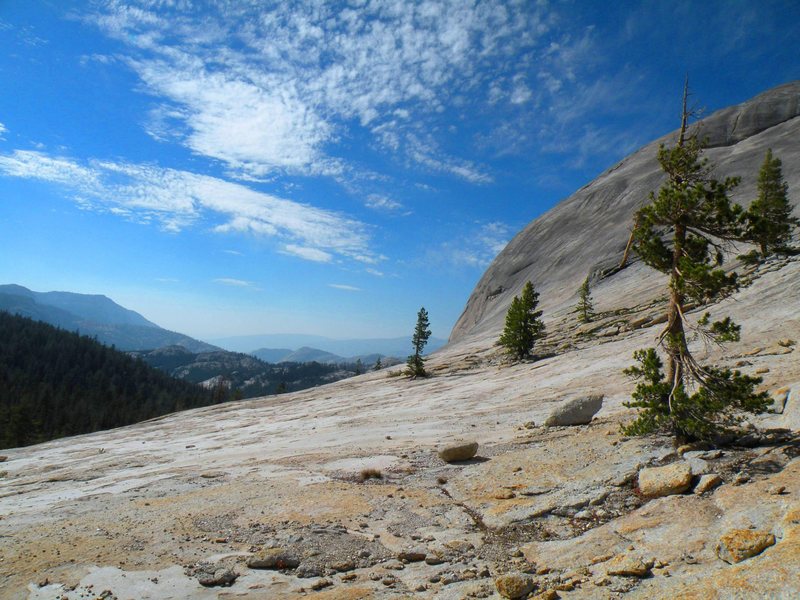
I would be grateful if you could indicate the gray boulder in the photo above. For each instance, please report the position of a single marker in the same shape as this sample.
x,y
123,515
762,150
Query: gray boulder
x,y
457,451
577,411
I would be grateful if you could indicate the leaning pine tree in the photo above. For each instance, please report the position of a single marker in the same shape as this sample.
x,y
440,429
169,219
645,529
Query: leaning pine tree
x,y
680,233
769,219
523,324
415,362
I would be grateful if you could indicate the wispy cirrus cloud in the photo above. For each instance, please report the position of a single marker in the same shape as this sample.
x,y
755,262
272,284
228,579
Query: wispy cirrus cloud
x,y
231,282
383,203
274,87
312,254
475,250
344,287
177,199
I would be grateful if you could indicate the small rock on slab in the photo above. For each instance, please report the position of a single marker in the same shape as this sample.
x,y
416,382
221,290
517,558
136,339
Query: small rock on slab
x,y
412,555
534,491
740,544
697,465
504,495
707,483
343,566
220,577
513,585
629,565
779,399
321,584
273,558
655,482
577,411
457,451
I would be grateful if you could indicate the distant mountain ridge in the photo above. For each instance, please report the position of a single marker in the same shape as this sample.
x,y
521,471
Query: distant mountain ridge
x,y
96,316
308,354
92,307
258,345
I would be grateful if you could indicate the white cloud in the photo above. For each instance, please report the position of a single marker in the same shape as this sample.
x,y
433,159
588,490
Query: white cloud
x,y
233,252
475,250
229,281
313,254
520,93
177,199
426,154
30,164
237,121
3,130
381,202
345,287
269,87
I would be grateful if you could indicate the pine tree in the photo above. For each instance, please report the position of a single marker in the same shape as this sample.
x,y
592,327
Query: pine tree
x,y
523,324
691,215
584,308
415,362
359,367
378,365
769,218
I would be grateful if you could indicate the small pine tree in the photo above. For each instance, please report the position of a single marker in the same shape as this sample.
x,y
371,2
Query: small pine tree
x,y
378,365
769,218
523,324
692,401
359,367
415,362
584,308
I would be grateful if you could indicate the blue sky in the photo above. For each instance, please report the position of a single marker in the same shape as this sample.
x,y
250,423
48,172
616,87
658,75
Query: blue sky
x,y
239,168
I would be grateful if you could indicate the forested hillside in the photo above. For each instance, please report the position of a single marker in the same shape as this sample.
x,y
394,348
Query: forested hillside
x,y
244,375
54,383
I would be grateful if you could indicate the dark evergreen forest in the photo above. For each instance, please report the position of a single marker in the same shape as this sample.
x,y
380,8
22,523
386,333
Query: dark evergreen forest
x,y
55,383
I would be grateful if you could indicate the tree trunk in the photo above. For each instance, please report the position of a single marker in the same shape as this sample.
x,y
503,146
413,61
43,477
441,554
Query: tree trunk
x,y
676,336
629,245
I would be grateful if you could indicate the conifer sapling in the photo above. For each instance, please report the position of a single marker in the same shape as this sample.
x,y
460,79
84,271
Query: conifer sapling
x,y
769,219
523,324
584,308
415,362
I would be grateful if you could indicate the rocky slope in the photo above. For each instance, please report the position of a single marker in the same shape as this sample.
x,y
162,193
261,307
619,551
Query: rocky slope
x,y
586,233
338,492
